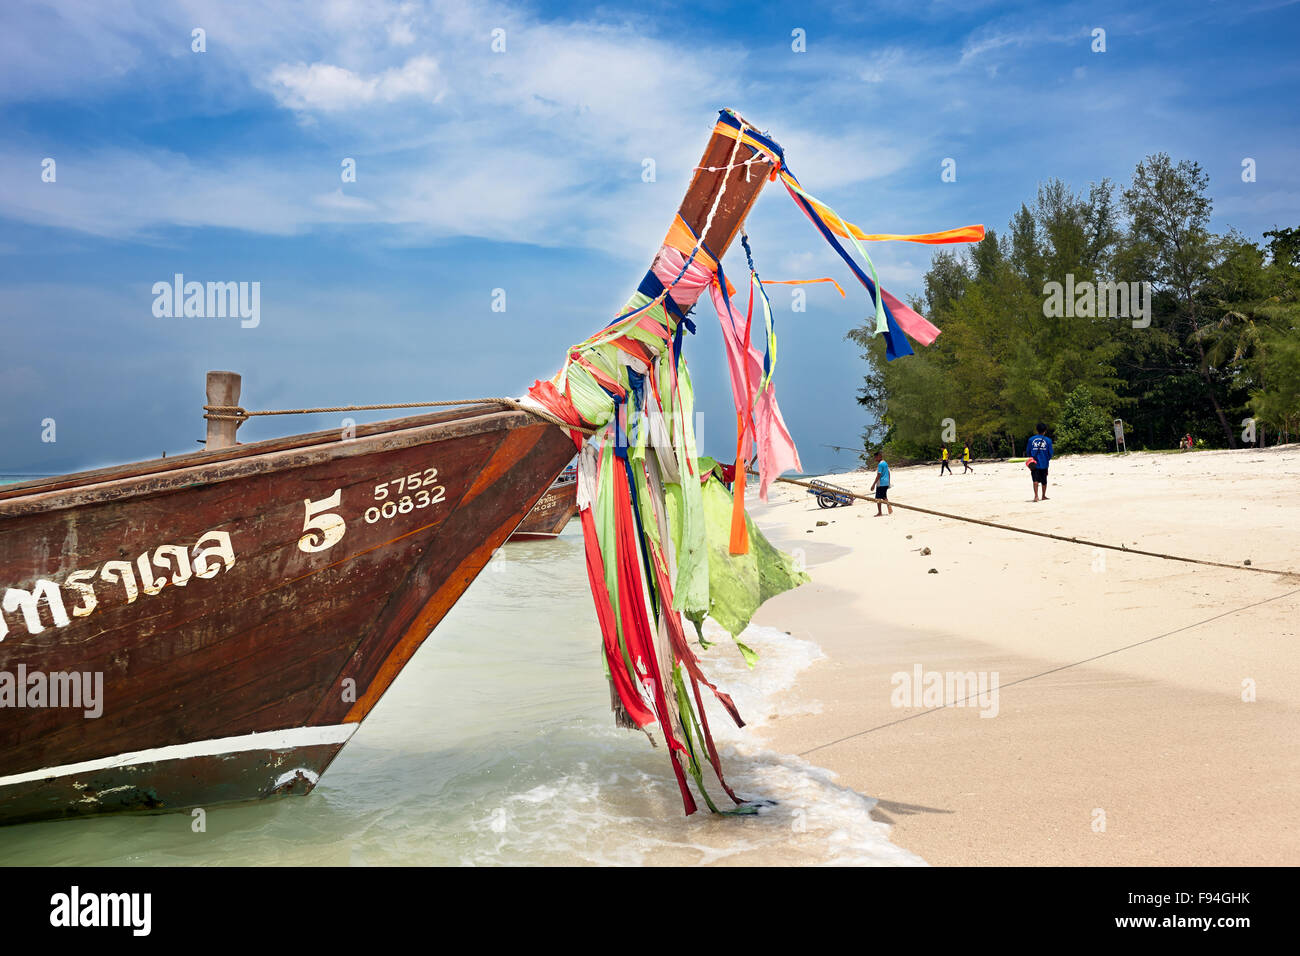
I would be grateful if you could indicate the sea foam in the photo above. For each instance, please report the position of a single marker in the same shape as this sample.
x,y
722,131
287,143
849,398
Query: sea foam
x,y
619,808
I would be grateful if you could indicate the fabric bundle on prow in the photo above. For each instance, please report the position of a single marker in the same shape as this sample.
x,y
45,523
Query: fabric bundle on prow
x,y
665,540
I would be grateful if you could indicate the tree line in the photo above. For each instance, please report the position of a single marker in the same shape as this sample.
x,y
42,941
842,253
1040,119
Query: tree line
x,y
1215,342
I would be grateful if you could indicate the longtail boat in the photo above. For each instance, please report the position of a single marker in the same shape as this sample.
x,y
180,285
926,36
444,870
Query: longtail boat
x,y
245,607
553,511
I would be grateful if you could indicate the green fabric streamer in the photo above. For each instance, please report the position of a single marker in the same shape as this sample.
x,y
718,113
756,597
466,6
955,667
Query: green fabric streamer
x,y
766,381
685,505
740,583
588,397
694,737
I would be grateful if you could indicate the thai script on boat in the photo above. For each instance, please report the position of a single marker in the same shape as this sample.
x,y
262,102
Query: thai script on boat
x,y
79,690
211,553
213,300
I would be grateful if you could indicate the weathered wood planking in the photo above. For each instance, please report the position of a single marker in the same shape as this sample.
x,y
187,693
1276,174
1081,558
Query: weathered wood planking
x,y
743,187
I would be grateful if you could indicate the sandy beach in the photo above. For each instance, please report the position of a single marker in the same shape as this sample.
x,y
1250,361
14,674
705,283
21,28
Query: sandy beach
x,y
1147,711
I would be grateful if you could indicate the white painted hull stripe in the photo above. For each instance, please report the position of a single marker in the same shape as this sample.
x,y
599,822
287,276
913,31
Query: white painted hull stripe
x,y
289,739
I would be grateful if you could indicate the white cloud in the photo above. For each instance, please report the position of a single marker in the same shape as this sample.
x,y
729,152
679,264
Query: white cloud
x,y
996,36
541,144
323,86
400,34
978,47
881,65
339,201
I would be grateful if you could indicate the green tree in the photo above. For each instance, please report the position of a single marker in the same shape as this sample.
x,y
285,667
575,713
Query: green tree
x,y
1224,340
1170,214
1083,425
1001,364
1256,337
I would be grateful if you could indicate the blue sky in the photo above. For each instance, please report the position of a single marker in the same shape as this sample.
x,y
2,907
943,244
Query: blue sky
x,y
521,170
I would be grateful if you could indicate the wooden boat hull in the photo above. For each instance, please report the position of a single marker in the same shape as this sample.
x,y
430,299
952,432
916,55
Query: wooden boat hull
x,y
244,609
553,511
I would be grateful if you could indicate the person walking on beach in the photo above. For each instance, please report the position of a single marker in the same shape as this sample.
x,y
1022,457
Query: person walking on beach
x,y
881,485
965,459
1039,451
943,464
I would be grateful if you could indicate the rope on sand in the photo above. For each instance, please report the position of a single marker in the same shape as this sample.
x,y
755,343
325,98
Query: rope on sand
x,y
233,413
1053,670
1060,537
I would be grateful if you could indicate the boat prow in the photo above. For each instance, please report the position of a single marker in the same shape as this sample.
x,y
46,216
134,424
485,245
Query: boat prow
x,y
241,611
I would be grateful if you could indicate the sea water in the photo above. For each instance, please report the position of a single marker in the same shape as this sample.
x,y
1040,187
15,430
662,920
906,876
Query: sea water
x,y
495,746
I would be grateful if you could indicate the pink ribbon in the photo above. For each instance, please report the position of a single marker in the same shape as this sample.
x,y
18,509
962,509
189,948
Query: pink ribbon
x,y
668,266
776,449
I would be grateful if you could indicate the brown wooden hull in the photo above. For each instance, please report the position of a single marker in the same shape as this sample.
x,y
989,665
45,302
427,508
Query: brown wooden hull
x,y
553,511
239,672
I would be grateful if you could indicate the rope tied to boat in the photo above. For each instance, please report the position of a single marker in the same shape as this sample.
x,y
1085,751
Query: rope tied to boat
x,y
235,413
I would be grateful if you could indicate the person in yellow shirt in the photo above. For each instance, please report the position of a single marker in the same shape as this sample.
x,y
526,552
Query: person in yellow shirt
x,y
943,464
965,459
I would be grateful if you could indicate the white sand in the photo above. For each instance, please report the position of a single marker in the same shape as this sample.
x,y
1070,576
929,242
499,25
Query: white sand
x,y
1154,735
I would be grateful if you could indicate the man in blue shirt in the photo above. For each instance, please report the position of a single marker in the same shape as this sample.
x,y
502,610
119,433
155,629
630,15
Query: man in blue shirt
x,y
881,485
1039,451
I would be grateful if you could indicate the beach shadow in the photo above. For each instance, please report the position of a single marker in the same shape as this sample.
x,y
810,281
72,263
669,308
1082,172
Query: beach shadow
x,y
879,814
814,552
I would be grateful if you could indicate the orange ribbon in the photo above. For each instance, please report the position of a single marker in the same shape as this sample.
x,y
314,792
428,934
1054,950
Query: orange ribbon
x,y
803,282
